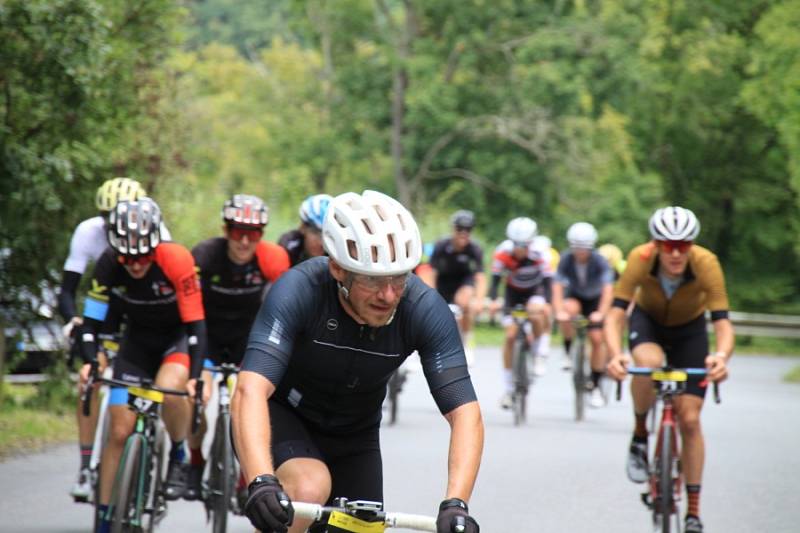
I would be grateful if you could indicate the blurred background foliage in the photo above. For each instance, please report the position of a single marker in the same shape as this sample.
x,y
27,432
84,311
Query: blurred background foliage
x,y
561,110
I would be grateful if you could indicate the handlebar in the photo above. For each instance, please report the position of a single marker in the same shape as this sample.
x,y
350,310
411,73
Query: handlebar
x,y
644,371
318,513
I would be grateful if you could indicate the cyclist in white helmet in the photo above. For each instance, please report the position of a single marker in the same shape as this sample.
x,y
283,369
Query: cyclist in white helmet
x,y
307,410
527,274
306,241
584,286
673,282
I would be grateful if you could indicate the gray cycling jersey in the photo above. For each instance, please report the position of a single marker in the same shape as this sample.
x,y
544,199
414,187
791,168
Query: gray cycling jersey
x,y
597,275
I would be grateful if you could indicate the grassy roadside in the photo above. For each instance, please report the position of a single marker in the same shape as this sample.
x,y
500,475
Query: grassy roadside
x,y
793,376
26,427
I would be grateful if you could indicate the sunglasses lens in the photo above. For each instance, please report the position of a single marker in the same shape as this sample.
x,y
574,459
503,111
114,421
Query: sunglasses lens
x,y
238,234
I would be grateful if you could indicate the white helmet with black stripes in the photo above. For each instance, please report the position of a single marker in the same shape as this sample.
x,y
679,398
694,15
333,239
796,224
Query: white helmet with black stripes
x,y
674,223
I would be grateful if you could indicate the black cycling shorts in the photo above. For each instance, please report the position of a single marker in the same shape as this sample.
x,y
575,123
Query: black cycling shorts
x,y
449,289
353,459
227,351
686,346
587,306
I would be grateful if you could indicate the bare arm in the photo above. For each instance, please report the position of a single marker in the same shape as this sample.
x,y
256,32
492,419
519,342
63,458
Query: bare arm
x,y
558,297
480,287
466,448
606,299
613,327
723,330
251,424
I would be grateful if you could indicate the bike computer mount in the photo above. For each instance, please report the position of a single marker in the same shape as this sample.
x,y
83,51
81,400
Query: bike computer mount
x,y
359,507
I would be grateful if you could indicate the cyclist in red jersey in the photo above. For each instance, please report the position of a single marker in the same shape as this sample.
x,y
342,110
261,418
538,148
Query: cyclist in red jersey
x,y
234,273
155,285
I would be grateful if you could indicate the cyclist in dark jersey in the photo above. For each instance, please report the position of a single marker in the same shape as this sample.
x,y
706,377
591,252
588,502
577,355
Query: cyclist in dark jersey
x,y
87,243
457,263
157,289
323,346
584,286
527,276
306,241
234,273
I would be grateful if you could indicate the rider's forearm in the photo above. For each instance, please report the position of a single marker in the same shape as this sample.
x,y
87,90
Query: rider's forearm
x,y
480,286
725,338
612,330
558,297
251,424
66,296
606,299
466,447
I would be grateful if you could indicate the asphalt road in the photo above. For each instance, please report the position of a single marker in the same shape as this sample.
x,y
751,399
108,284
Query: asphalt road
x,y
551,475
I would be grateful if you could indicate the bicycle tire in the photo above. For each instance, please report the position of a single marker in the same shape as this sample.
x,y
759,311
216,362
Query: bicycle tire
x,y
664,483
124,497
579,378
155,493
521,381
221,477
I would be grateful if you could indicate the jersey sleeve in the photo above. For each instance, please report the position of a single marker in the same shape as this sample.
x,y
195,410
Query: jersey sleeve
x,y
436,256
714,282
273,260
96,304
79,254
561,272
279,321
179,267
441,352
606,273
478,258
629,281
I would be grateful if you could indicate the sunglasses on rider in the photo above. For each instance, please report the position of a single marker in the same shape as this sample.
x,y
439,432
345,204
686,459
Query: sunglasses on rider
x,y
140,260
238,234
378,283
671,246
521,244
463,229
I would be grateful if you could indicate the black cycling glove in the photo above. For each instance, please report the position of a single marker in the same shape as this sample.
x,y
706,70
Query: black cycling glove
x,y
454,518
268,507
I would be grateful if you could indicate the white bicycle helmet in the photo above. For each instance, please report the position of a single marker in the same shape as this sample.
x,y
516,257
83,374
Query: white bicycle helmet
x,y
674,223
117,190
521,230
582,235
134,227
313,209
245,209
542,243
372,234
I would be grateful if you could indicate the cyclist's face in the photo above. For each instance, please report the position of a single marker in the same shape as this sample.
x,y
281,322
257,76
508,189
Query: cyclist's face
x,y
673,256
242,243
461,236
520,250
312,242
374,299
581,254
139,269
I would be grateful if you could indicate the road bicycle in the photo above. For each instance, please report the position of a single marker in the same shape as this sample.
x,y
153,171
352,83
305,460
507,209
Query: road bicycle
x,y
519,365
665,483
223,473
137,501
360,516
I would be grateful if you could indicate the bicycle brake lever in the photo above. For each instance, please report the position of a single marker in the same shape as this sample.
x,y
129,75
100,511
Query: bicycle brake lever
x,y
717,398
619,390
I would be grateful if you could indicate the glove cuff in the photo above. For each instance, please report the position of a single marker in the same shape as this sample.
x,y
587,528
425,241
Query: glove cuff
x,y
263,479
453,502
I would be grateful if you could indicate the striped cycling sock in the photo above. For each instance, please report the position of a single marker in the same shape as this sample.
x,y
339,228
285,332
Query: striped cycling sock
x,y
86,455
693,493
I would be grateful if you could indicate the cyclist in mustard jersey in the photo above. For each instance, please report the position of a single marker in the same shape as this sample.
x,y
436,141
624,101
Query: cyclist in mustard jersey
x,y
673,282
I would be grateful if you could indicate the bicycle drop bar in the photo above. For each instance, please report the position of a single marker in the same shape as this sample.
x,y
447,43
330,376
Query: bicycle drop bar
x,y
318,513
644,371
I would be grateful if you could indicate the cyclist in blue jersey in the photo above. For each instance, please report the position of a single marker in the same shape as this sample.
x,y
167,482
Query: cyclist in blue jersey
x,y
307,409
306,241
584,286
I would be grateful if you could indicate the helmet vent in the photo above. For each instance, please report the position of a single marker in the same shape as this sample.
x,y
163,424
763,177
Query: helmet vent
x,y
352,249
392,249
381,213
368,226
374,250
402,222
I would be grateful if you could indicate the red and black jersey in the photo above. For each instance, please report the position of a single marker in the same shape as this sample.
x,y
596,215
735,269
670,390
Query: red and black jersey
x,y
166,297
232,293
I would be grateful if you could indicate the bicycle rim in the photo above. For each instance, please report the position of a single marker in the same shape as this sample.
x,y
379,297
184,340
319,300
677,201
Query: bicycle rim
x,y
125,515
579,379
222,467
157,503
665,480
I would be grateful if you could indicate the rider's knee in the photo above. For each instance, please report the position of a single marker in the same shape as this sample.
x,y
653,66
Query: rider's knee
x,y
690,423
314,488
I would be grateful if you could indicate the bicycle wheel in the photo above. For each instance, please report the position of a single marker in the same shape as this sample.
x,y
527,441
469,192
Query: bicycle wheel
x,y
124,502
664,483
579,378
221,475
157,506
519,367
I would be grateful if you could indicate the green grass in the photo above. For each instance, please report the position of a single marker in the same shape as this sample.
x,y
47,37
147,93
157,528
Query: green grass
x,y
25,429
793,376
